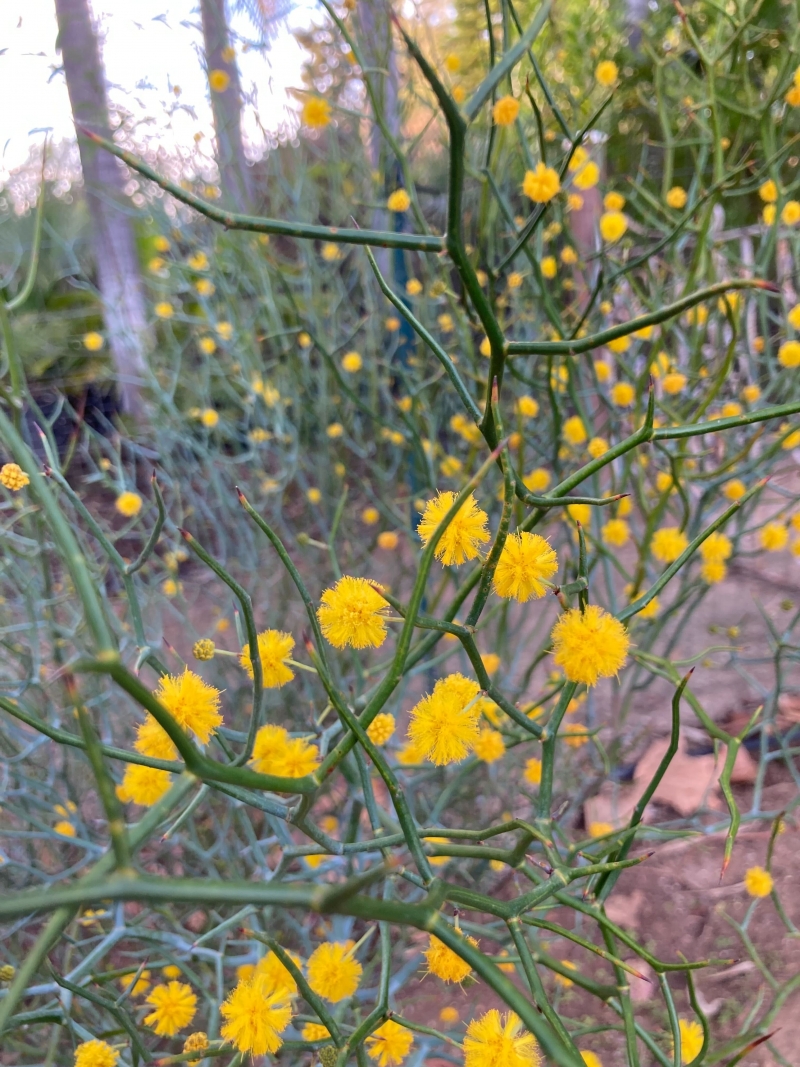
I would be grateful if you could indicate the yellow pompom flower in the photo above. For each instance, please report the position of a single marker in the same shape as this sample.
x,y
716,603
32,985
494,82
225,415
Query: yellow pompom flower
x,y
496,1040
769,215
613,201
444,724
589,645
790,215
622,394
13,477
299,759
444,963
613,225
256,1014
768,192
606,73
352,362
93,341
526,562
587,177
316,112
275,752
333,972
533,771
789,354
65,828
462,539
193,703
95,1054
773,536
197,1042
713,571
315,1032
758,882
274,648
569,255
489,746
140,986
128,504
541,184
615,533
691,1039
505,110
619,344
143,785
388,540
676,197
717,546
218,80
381,729
399,201
734,489
574,431
154,741
207,345
276,975
574,202
751,394
549,267
674,382
528,407
174,1006
597,447
209,418
668,543
537,481
580,513
352,613
164,310
389,1044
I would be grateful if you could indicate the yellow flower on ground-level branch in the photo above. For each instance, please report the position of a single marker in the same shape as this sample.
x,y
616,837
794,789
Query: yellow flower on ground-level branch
x,y
333,972
389,1044
381,729
466,532
789,354
773,536
496,1040
256,1014
622,394
589,645
95,1054
352,613
615,533
574,431
93,341
489,746
174,1006
352,362
274,648
445,723
526,563
676,197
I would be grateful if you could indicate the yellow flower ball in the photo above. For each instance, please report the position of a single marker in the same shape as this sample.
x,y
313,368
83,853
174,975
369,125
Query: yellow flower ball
x,y
768,192
734,489
769,214
352,362
587,177
620,344
574,202
413,287
789,354
388,540
369,516
674,382
313,495
549,267
541,184
613,225
528,407
676,197
316,113
399,201
758,882
597,447
606,73
790,215
164,310
93,341
209,418
668,543
773,536
218,80
574,431
505,110
623,394
13,477
128,504
613,201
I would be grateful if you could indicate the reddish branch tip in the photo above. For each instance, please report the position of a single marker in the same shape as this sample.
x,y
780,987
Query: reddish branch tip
x,y
771,287
240,494
307,642
184,534
47,471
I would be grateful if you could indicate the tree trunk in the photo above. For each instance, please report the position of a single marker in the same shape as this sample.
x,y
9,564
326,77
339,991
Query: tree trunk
x,y
234,174
118,274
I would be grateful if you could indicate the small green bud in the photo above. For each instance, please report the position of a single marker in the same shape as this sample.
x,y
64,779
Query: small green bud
x,y
204,649
7,972
328,1055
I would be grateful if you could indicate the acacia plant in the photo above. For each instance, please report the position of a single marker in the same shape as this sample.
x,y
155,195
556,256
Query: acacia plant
x,y
605,417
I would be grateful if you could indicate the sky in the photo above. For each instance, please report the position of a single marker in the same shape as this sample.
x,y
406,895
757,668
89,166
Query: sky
x,y
148,47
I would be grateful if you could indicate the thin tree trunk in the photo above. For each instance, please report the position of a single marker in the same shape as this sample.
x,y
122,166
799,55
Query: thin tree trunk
x,y
234,174
118,274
